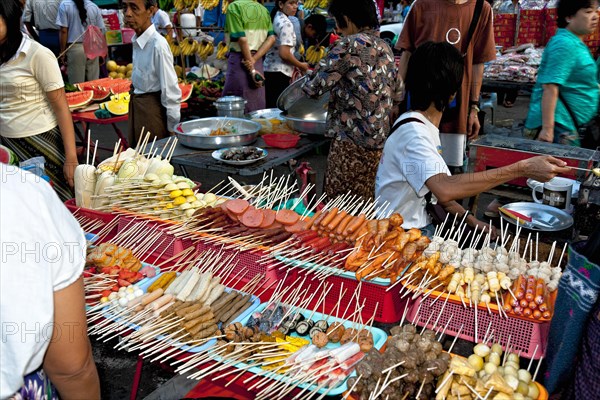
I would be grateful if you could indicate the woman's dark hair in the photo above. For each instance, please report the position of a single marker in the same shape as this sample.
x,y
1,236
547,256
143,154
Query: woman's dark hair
x,y
568,8
435,73
319,24
360,12
11,12
82,11
276,8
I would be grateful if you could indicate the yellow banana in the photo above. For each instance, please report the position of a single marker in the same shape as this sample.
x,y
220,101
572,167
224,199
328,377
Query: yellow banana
x,y
323,3
224,6
179,5
301,50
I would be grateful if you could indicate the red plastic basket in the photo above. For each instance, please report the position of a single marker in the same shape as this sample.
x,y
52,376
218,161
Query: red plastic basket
x,y
92,215
389,304
167,244
525,335
248,263
281,140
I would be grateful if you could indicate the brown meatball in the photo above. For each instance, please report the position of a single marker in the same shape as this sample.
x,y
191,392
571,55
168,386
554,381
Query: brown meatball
x,y
320,339
335,332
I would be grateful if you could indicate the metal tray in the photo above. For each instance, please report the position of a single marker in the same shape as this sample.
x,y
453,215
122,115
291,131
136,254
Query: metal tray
x,y
267,113
545,218
247,132
379,339
305,126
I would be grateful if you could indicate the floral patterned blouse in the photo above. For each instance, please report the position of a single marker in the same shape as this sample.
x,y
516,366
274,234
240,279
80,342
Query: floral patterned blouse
x,y
361,75
286,36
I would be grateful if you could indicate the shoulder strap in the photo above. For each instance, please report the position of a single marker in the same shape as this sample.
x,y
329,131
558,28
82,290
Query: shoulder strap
x,y
473,26
405,121
562,99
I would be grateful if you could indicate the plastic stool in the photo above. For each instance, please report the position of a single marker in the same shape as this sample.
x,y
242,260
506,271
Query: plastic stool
x,y
491,103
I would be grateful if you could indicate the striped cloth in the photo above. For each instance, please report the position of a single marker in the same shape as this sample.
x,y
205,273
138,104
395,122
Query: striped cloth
x,y
573,329
49,145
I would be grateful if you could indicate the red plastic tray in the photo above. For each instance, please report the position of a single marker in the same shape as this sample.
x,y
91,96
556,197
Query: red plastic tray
x,y
92,215
248,260
390,308
524,335
167,245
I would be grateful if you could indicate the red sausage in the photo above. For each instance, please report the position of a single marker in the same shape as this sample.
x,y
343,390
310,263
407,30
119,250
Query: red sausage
x,y
268,218
237,206
540,291
286,217
252,218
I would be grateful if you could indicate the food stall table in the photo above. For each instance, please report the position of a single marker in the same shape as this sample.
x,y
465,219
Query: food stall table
x,y
490,85
88,118
185,157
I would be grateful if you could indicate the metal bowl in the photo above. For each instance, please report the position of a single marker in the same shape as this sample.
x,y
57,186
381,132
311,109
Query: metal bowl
x,y
188,132
297,103
266,113
313,127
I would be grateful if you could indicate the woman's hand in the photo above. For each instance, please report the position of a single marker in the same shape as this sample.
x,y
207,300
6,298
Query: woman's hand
x,y
473,125
304,67
249,64
69,171
543,168
546,135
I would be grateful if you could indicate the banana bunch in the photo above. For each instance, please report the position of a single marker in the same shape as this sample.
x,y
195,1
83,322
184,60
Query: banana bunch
x,y
310,4
224,6
188,46
205,49
222,51
315,54
209,4
174,46
181,5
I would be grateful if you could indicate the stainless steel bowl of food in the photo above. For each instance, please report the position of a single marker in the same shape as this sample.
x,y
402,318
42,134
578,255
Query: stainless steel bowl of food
x,y
217,132
312,127
303,113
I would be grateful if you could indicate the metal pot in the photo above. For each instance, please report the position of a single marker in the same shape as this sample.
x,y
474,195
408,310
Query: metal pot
x,y
302,113
187,132
230,106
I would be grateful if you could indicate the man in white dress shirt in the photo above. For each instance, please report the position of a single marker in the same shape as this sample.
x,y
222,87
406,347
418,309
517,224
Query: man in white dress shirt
x,y
155,95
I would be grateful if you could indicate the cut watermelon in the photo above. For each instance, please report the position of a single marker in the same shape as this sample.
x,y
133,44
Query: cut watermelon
x,y
7,156
104,82
79,99
100,93
123,86
186,91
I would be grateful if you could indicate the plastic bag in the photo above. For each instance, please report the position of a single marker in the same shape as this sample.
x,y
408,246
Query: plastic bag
x,y
94,43
35,165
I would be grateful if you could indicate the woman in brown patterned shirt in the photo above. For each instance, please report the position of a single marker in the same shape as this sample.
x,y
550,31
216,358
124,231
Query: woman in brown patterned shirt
x,y
360,73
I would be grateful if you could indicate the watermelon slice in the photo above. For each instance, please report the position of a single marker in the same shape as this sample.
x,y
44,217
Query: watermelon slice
x,y
186,91
89,85
7,156
121,87
100,93
79,99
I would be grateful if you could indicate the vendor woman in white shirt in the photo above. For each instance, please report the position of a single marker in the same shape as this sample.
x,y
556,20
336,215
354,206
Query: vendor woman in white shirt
x,y
34,115
411,165
155,99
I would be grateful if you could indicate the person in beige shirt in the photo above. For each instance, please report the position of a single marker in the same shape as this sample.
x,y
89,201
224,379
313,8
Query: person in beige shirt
x,y
34,115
